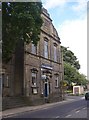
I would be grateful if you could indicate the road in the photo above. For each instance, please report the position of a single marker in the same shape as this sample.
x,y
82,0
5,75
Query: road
x,y
75,109
79,113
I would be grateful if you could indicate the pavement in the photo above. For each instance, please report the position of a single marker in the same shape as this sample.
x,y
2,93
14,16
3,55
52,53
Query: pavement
x,y
15,111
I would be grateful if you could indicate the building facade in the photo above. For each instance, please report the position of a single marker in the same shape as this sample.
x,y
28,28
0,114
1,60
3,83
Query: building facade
x,y
36,71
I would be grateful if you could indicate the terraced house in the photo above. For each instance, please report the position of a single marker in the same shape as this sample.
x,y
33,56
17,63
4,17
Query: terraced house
x,y
35,72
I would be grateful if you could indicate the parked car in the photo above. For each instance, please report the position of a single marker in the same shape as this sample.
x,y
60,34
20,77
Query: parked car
x,y
87,96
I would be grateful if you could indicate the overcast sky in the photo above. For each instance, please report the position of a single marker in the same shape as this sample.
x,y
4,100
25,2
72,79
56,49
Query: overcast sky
x,y
70,19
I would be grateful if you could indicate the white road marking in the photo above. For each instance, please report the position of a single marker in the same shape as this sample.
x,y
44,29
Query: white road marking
x,y
58,117
68,115
83,98
78,111
84,108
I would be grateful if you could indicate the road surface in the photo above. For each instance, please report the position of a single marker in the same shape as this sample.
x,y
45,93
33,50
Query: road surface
x,y
75,109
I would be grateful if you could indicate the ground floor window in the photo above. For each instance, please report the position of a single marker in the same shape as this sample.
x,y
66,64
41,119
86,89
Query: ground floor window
x,y
34,90
34,79
34,83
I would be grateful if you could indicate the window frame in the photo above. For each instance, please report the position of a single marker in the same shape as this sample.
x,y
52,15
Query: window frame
x,y
46,23
46,48
55,52
33,49
34,75
34,84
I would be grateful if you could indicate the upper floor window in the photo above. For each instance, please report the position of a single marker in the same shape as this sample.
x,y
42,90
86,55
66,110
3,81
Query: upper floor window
x,y
46,23
45,48
34,49
55,53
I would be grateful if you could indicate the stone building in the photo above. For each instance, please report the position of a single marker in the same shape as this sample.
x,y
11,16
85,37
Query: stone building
x,y
36,71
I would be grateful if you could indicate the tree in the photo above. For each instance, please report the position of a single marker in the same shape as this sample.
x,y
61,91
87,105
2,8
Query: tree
x,y
69,73
20,21
69,57
71,67
72,75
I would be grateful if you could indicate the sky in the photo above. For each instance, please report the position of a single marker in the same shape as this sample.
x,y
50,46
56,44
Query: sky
x,y
70,20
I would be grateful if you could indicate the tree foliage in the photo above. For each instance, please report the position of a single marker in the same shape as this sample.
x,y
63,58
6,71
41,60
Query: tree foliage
x,y
72,75
71,67
69,57
20,21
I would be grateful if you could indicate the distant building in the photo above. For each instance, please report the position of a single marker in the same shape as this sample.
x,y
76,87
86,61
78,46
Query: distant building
x,y
36,71
78,90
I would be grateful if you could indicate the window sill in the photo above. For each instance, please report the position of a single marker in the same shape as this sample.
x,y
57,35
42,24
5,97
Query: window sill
x,y
34,86
56,87
35,93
